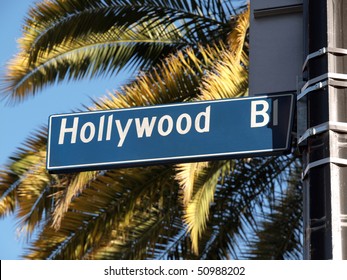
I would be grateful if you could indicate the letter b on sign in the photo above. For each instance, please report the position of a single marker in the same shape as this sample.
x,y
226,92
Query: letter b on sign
x,y
259,113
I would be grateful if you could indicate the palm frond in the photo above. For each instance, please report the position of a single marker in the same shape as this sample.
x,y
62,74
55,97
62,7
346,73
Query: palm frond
x,y
198,209
26,184
237,39
246,192
147,237
186,175
218,84
92,56
108,206
57,21
229,77
8,198
61,40
188,50
279,235
176,79
135,241
78,183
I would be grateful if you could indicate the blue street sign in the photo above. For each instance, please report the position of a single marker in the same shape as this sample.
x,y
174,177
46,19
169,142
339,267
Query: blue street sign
x,y
184,132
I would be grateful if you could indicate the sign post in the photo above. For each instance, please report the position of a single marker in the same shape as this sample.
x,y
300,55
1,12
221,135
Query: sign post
x,y
227,128
324,141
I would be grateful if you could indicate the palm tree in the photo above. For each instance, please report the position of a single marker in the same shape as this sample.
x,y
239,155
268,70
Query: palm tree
x,y
184,51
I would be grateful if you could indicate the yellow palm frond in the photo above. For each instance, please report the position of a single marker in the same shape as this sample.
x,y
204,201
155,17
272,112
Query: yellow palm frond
x,y
237,38
33,190
177,79
198,209
8,192
80,181
89,56
228,79
122,212
26,183
186,175
115,204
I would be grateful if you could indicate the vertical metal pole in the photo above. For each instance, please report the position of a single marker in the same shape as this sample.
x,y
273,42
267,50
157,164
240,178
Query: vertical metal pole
x,y
325,152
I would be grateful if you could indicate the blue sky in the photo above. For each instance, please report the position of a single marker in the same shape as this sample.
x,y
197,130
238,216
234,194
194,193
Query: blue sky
x,y
17,122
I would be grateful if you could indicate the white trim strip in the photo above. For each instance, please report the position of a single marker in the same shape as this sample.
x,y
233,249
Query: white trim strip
x,y
334,126
328,160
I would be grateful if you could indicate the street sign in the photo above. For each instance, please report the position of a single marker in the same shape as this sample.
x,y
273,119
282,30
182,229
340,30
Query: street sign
x,y
184,132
